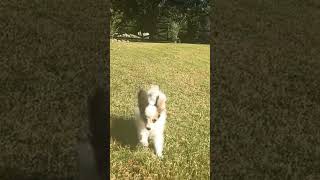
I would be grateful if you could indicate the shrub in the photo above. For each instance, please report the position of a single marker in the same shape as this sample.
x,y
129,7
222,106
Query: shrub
x,y
176,22
174,29
116,20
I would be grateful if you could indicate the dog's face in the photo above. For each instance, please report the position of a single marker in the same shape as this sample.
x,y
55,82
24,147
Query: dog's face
x,y
152,103
151,116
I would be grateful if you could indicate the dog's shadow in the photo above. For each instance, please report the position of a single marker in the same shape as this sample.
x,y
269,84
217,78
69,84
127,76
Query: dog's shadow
x,y
124,131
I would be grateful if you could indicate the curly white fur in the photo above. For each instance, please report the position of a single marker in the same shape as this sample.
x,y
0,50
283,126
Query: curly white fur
x,y
151,122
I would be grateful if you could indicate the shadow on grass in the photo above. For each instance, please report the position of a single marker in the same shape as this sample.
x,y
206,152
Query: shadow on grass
x,y
124,131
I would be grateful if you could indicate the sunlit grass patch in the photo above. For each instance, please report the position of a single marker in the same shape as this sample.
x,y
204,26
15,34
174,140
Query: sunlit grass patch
x,y
182,71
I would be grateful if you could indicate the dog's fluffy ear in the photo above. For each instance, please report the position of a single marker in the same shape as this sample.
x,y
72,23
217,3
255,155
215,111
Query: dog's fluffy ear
x,y
142,100
153,94
161,103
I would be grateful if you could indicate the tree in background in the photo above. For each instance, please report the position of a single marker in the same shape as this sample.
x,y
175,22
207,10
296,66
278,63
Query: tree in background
x,y
197,12
148,13
188,16
115,23
177,20
143,12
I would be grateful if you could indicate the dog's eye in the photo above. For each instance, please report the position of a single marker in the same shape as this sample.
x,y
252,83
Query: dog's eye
x,y
154,120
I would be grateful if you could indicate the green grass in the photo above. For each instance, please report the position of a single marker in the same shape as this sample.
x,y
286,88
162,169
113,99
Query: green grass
x,y
182,71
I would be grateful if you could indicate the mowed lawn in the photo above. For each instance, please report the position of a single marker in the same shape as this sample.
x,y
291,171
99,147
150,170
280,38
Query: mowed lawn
x,y
183,73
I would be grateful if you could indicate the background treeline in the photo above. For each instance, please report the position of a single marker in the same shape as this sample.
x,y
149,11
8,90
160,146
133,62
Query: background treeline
x,y
163,20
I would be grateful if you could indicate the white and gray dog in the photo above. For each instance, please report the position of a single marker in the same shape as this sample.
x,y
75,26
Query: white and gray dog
x,y
151,117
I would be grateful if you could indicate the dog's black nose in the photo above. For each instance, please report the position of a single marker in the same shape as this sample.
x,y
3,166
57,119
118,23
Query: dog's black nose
x,y
148,128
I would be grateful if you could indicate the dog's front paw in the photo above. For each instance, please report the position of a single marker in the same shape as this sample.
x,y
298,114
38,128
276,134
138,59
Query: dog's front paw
x,y
144,144
159,155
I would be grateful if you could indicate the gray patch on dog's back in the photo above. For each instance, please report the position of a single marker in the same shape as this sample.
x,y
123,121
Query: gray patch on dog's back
x,y
142,100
